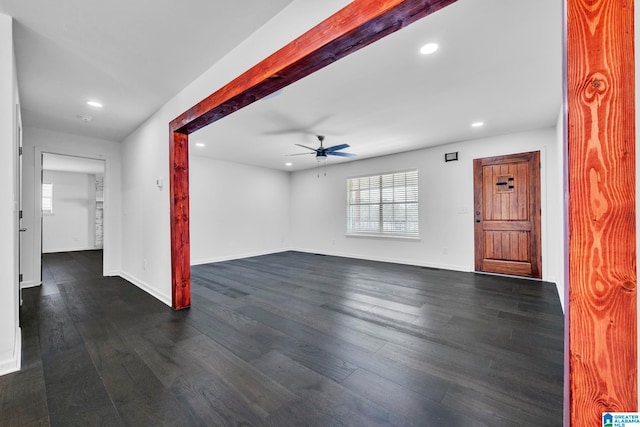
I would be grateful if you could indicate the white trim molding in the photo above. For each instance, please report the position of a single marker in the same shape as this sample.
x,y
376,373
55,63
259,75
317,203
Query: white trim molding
x,y
237,256
14,362
29,284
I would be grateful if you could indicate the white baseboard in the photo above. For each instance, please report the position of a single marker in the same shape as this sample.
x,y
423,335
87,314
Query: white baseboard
x,y
145,287
559,287
72,249
14,362
237,256
29,284
453,267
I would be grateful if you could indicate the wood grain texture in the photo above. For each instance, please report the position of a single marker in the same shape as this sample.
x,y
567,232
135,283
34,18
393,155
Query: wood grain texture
x,y
179,213
357,25
508,214
289,339
601,209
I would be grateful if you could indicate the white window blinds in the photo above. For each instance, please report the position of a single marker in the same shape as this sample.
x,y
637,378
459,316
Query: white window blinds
x,y
47,198
383,204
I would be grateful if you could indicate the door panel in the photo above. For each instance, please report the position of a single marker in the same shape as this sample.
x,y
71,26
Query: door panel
x,y
507,207
507,245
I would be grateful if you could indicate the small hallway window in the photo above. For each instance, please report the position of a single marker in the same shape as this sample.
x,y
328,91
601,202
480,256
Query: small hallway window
x,y
47,198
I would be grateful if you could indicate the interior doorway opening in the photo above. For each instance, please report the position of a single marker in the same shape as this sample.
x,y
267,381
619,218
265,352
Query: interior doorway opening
x,y
72,205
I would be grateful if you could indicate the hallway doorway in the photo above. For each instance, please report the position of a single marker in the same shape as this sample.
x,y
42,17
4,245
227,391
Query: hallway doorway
x,y
72,206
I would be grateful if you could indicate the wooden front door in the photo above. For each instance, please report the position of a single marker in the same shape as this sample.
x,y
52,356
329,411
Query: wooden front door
x,y
507,214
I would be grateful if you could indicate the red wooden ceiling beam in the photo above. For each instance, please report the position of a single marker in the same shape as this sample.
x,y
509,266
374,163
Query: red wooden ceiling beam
x,y
357,25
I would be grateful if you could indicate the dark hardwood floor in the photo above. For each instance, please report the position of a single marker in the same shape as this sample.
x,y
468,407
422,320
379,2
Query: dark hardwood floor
x,y
289,339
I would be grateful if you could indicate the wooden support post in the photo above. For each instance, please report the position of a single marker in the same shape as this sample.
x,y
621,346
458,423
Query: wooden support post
x,y
180,246
601,210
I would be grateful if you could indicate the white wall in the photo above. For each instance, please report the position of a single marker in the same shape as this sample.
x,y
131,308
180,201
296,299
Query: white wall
x,y
237,211
10,340
37,141
446,204
146,256
72,225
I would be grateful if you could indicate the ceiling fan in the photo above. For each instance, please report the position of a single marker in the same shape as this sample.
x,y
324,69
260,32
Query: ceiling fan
x,y
322,152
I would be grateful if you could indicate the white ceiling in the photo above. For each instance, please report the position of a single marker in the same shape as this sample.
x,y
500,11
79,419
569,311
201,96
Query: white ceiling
x,y
128,54
56,162
499,61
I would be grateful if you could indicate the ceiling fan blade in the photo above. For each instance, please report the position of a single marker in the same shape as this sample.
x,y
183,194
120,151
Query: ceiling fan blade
x,y
336,148
299,154
341,154
304,146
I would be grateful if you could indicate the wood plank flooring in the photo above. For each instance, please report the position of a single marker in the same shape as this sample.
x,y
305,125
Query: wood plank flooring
x,y
288,339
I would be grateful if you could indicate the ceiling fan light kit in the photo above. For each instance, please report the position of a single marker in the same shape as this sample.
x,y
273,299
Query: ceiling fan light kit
x,y
322,152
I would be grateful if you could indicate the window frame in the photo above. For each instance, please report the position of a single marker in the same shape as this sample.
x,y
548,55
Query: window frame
x,y
380,203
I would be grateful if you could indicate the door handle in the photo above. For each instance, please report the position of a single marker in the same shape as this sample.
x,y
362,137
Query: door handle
x,y
22,230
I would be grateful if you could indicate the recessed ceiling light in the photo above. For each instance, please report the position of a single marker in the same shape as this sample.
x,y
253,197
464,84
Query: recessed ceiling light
x,y
200,144
477,124
429,48
94,104
288,164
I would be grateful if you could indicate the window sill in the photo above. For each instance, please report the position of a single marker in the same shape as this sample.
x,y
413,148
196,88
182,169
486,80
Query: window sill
x,y
384,236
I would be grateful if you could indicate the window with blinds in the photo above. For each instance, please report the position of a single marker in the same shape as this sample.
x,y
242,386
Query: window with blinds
x,y
47,198
383,204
